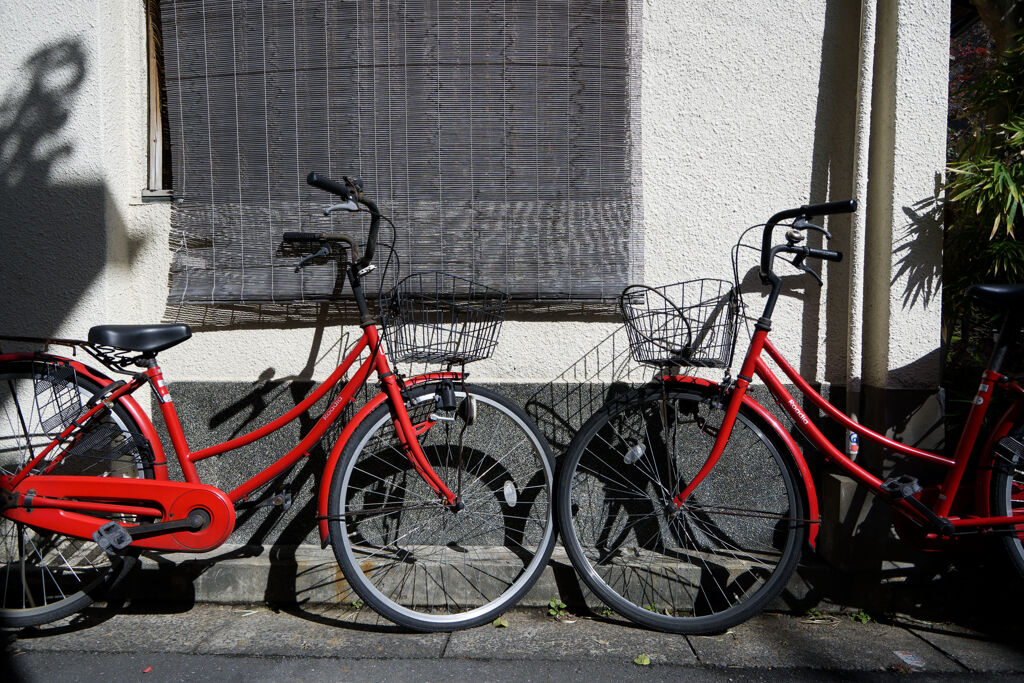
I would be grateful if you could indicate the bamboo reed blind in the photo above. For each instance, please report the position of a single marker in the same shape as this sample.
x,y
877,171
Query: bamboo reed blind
x,y
501,137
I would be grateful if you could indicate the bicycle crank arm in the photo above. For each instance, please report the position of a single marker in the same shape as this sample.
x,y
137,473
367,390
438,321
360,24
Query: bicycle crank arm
x,y
113,538
197,520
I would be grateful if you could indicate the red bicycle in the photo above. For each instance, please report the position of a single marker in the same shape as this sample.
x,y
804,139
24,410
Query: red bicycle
x,y
436,497
685,504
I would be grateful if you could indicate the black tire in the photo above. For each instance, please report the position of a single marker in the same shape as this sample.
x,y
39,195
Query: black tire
x,y
415,561
1007,497
46,576
712,564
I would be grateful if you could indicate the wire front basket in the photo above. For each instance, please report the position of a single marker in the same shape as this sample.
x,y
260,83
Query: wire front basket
x,y
688,323
436,317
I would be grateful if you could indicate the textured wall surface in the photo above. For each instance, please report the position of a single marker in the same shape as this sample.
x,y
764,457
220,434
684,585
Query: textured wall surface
x,y
81,246
747,108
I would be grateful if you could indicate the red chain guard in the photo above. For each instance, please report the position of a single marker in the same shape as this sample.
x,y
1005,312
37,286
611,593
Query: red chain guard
x,y
175,500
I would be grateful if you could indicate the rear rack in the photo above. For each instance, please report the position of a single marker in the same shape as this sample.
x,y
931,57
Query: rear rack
x,y
118,360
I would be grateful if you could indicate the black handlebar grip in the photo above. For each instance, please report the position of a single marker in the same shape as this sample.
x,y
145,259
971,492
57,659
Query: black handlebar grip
x,y
829,208
825,254
302,236
326,184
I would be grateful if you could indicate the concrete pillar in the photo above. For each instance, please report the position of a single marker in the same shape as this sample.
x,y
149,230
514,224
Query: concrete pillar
x,y
895,253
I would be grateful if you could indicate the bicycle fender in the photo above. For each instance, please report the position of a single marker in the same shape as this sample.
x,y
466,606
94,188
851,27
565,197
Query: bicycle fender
x,y
786,439
1006,423
127,402
332,459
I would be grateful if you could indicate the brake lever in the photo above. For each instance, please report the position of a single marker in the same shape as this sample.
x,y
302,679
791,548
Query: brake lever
x,y
803,224
324,251
350,205
800,265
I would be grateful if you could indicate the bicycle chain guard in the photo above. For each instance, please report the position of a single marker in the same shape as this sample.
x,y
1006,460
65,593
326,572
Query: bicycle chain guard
x,y
177,500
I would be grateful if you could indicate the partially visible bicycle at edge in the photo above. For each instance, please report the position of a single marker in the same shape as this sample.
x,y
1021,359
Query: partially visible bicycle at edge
x,y
685,504
436,498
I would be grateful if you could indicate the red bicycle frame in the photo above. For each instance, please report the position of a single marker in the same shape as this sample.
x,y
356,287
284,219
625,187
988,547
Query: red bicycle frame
x,y
937,516
59,503
755,365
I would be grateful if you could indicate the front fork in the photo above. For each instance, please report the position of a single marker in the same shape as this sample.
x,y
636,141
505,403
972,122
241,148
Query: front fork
x,y
735,398
408,436
732,410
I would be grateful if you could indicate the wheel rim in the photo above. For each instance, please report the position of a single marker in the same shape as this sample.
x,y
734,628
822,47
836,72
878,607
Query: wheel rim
x,y
44,575
718,554
488,552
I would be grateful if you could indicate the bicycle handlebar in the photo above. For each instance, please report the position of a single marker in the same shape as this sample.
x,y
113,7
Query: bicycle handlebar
x,y
805,212
304,236
349,190
825,254
327,185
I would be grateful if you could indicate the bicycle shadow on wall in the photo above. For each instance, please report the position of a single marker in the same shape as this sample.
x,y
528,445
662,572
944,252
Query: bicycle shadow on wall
x,y
59,237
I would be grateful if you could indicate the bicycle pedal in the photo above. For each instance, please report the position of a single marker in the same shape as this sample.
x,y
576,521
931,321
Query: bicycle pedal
x,y
901,487
112,538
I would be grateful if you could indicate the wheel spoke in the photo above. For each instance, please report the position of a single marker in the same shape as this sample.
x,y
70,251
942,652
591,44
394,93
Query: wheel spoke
x,y
699,568
444,567
48,575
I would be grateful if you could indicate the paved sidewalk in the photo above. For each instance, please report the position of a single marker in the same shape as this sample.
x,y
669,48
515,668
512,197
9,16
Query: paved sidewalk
x,y
219,642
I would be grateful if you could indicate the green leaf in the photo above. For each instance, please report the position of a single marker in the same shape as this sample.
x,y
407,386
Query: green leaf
x,y
642,659
500,622
861,617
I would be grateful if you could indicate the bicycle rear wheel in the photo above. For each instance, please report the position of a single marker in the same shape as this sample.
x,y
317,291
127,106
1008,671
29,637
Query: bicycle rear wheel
x,y
418,562
701,568
1007,494
46,576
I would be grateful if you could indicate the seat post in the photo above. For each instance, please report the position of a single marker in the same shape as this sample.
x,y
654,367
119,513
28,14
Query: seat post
x,y
1004,340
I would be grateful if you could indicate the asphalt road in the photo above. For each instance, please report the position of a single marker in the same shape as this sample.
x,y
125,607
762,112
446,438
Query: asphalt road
x,y
226,643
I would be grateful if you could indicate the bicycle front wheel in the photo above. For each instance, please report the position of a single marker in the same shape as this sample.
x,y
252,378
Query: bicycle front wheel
x,y
432,567
701,568
46,576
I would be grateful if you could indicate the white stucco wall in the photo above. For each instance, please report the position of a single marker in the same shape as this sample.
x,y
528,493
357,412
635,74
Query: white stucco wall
x,y
96,169
739,120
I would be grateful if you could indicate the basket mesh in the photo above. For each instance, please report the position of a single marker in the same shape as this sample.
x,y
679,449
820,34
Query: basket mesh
x,y
103,441
688,323
436,317
57,399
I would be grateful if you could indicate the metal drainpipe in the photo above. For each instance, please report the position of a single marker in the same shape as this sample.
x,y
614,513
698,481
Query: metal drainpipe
x,y
877,264
857,221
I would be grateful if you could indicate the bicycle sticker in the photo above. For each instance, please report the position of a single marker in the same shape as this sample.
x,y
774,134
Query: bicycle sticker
x,y
162,392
